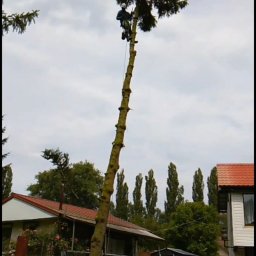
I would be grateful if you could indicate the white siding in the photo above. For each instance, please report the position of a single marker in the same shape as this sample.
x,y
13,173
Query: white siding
x,y
17,229
18,210
242,235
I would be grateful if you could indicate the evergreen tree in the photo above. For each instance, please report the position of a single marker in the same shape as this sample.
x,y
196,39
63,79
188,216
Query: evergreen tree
x,y
150,194
137,209
6,171
18,22
145,20
122,202
174,193
198,187
213,188
6,181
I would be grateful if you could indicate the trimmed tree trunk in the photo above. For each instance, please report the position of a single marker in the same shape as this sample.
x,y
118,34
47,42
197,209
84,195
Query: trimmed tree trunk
x,y
113,166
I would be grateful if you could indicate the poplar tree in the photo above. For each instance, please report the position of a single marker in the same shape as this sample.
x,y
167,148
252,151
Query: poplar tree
x,y
174,193
213,188
198,187
143,18
122,202
137,209
150,194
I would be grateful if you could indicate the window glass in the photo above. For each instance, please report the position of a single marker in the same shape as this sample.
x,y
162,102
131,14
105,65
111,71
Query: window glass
x,y
248,209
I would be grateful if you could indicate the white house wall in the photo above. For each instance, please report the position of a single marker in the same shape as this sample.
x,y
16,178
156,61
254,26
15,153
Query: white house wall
x,y
17,229
242,235
44,226
15,210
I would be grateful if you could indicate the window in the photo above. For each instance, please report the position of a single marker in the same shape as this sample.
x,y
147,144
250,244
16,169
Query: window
x,y
248,209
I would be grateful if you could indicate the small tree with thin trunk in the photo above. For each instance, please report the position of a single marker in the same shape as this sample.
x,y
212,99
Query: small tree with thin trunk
x,y
61,161
145,20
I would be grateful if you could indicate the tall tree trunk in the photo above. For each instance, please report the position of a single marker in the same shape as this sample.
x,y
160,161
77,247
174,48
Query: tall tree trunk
x,y
113,166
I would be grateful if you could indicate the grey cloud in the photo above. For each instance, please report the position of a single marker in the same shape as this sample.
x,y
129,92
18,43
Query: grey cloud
x,y
192,89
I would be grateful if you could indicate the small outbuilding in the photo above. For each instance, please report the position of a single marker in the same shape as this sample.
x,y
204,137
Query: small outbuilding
x,y
172,252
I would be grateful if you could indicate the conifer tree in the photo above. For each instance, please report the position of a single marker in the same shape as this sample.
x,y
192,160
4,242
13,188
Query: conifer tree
x,y
122,202
6,171
18,22
174,193
198,187
6,181
143,18
213,188
150,194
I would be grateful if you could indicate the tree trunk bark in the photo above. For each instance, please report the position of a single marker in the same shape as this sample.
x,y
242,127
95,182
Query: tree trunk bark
x,y
113,166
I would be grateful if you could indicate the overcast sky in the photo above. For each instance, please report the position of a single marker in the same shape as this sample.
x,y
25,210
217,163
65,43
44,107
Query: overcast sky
x,y
192,89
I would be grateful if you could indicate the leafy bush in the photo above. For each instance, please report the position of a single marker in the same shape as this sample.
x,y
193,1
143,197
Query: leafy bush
x,y
195,228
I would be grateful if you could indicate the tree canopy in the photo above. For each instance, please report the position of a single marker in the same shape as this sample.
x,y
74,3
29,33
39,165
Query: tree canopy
x,y
194,227
18,22
146,8
82,181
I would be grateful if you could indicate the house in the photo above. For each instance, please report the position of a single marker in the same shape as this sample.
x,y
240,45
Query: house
x,y
172,252
236,199
20,212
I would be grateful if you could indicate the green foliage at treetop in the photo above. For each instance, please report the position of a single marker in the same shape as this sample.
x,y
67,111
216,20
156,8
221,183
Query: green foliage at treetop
x,y
194,227
146,8
18,22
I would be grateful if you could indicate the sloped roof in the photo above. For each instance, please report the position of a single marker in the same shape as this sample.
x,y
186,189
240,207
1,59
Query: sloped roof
x,y
235,175
81,214
170,251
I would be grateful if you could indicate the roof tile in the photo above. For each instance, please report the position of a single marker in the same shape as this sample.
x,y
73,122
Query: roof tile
x,y
72,210
235,175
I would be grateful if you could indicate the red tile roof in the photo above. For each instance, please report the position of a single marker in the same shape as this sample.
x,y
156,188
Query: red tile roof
x,y
235,175
80,213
